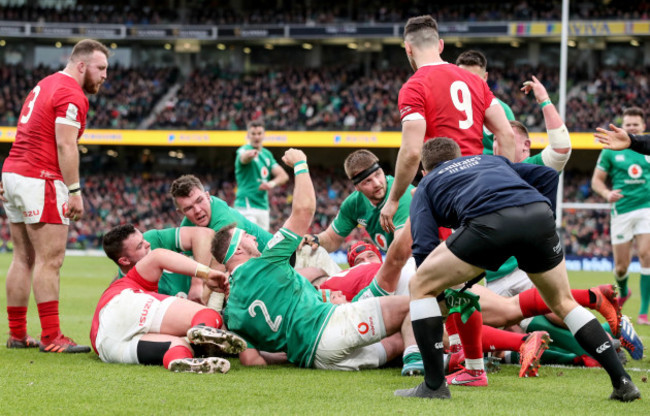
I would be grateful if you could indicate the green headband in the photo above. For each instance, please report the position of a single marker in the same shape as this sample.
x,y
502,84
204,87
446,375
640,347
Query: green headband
x,y
234,243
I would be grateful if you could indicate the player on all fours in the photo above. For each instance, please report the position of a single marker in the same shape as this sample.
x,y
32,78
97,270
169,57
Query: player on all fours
x,y
440,100
43,193
134,324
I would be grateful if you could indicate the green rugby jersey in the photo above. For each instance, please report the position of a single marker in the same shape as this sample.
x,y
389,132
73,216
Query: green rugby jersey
x,y
223,215
250,176
629,171
357,210
488,136
273,307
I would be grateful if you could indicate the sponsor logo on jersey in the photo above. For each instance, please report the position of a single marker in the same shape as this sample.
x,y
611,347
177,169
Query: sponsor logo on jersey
x,y
557,248
439,345
635,171
647,159
264,172
361,221
145,312
380,239
277,237
620,158
603,347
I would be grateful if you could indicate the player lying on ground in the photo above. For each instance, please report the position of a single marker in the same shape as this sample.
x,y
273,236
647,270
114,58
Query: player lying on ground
x,y
364,277
277,310
134,324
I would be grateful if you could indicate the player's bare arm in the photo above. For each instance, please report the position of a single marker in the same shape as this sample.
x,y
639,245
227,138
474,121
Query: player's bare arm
x,y
600,187
398,254
558,135
497,122
406,167
247,156
197,239
327,239
68,156
303,206
252,357
152,265
614,139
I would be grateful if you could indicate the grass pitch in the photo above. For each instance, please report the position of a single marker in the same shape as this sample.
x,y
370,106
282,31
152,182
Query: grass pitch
x,y
35,383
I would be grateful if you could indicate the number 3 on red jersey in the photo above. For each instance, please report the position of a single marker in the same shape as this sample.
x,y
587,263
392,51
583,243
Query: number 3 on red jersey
x,y
24,119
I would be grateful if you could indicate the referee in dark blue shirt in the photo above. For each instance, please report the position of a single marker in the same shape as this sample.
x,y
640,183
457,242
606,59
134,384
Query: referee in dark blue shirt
x,y
498,209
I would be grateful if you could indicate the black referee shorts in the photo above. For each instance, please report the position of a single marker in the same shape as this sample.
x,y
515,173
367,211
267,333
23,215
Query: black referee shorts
x,y
526,232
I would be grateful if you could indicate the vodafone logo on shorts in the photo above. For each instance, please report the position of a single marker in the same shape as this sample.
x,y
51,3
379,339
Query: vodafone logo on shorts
x,y
365,327
635,171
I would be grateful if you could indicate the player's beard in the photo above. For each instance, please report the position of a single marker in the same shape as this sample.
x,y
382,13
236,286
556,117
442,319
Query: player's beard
x,y
90,86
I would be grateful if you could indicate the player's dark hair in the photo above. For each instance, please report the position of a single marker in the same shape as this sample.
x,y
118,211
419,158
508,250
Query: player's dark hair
x,y
421,30
438,150
183,186
113,241
359,161
255,123
221,241
472,58
517,125
86,47
634,111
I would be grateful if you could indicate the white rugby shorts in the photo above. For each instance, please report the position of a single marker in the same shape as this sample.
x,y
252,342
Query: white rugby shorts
x,y
35,200
124,320
626,226
257,216
511,284
351,338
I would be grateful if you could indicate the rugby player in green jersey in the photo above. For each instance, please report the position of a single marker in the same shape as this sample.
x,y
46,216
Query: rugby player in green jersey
x,y
362,207
629,173
277,310
204,210
256,172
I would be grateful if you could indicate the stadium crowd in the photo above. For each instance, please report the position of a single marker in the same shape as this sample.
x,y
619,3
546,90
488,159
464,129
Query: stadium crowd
x,y
143,200
330,98
127,97
274,12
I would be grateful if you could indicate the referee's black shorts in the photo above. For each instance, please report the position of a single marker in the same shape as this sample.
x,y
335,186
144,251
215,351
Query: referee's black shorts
x,y
526,232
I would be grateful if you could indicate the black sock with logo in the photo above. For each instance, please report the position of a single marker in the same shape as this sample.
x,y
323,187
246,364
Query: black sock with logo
x,y
593,338
428,334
